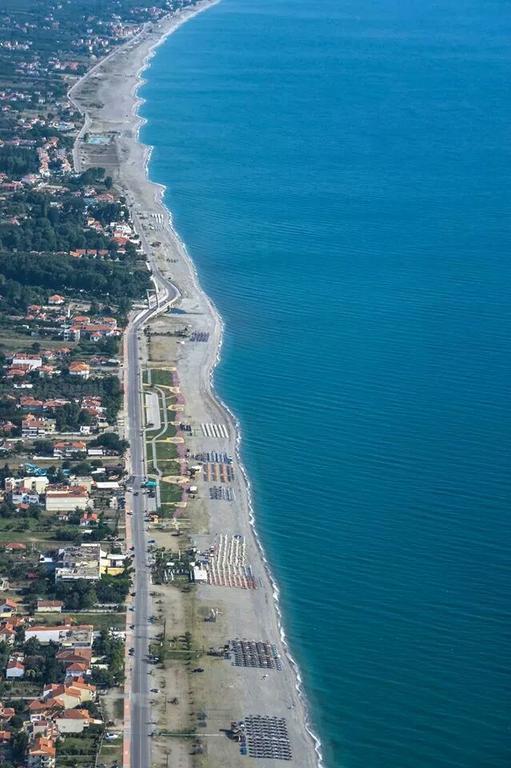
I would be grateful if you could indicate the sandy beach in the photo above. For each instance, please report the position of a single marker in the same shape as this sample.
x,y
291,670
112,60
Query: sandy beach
x,y
108,98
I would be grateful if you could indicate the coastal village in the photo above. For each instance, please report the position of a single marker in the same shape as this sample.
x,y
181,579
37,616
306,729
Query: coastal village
x,y
71,266
77,265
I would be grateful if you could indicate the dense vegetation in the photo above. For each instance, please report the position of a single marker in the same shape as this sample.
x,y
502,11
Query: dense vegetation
x,y
18,161
97,279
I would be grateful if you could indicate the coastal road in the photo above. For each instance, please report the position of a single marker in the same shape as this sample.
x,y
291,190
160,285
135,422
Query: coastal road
x,y
139,691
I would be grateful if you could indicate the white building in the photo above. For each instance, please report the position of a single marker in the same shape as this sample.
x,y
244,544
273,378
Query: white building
x,y
24,497
46,634
74,721
49,606
31,483
23,360
15,669
67,499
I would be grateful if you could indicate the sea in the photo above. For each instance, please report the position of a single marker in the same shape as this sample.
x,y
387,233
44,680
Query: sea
x,y
340,172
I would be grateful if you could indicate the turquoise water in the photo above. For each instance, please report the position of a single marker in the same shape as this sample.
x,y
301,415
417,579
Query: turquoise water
x,y
340,172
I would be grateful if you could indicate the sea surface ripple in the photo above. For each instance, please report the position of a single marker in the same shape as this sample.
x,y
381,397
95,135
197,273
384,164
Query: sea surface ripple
x,y
340,173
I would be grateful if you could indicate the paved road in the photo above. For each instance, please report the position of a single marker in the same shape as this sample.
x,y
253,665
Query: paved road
x,y
141,680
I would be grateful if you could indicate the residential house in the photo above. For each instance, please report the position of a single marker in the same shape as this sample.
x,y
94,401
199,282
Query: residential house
x,y
88,519
7,607
74,721
35,426
7,632
56,300
15,669
41,753
24,498
5,740
49,606
79,368
6,713
85,481
77,661
71,694
66,449
27,361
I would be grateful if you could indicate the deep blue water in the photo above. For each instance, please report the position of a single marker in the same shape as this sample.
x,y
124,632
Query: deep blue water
x,y
340,171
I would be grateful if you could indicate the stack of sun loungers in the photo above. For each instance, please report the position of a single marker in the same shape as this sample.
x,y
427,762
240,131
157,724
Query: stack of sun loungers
x,y
221,493
265,737
249,653
215,473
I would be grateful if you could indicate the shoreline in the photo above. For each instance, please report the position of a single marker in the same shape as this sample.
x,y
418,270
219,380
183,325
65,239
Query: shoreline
x,y
172,24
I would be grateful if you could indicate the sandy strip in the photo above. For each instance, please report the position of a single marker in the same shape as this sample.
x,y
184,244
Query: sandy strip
x,y
108,98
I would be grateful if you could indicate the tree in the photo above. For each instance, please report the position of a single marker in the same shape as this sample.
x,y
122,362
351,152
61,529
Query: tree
x,y
43,447
111,441
19,745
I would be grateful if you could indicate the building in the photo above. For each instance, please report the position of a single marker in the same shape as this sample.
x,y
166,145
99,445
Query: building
x,y
5,738
49,606
85,481
78,638
95,452
67,635
7,607
66,498
7,633
46,634
37,426
81,562
77,661
56,300
107,485
112,564
79,368
74,721
88,519
23,497
26,361
41,753
15,669
37,484
6,713
66,449
69,695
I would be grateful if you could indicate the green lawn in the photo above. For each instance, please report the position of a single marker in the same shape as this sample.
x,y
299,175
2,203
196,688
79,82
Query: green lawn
x,y
165,451
169,467
170,493
161,377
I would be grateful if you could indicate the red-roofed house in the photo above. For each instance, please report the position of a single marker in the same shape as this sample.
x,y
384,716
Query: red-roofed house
x,y
7,607
15,669
56,300
74,721
79,368
33,426
41,753
49,606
